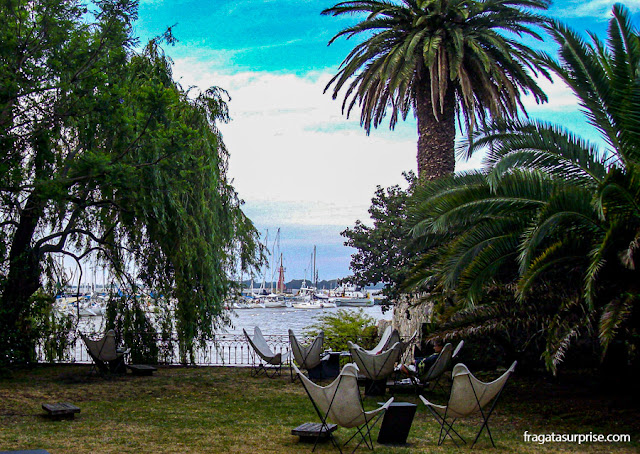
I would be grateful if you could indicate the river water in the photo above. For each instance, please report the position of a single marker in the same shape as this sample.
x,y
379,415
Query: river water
x,y
272,321
278,321
230,347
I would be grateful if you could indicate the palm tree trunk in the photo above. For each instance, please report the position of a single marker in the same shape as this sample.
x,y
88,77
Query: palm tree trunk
x,y
436,136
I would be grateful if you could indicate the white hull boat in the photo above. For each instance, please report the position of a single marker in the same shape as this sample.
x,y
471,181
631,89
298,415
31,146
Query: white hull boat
x,y
353,302
313,305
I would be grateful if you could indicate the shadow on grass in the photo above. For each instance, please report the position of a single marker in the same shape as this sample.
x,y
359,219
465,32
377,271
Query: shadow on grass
x,y
212,409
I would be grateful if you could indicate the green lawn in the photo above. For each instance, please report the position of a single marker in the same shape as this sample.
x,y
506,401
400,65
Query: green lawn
x,y
212,410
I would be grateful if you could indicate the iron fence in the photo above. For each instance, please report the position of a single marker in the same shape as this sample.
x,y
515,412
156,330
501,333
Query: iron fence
x,y
220,350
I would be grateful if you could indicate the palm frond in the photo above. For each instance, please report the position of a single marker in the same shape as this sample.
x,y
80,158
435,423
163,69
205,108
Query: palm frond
x,y
613,316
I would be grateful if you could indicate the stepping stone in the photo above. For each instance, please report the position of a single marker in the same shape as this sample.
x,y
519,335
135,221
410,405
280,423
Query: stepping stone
x,y
309,431
61,410
141,369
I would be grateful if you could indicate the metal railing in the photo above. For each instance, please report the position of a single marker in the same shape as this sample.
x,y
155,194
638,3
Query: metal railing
x,y
220,350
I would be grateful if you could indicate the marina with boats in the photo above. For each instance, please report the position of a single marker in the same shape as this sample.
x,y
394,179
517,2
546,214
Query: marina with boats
x,y
90,300
92,304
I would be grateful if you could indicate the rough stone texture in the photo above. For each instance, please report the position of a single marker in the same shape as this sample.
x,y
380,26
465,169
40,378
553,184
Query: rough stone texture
x,y
383,323
410,313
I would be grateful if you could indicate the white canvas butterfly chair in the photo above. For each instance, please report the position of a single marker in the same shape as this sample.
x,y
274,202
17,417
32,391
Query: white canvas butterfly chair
x,y
106,356
442,364
340,403
389,337
454,357
458,348
469,396
268,362
427,379
375,367
307,356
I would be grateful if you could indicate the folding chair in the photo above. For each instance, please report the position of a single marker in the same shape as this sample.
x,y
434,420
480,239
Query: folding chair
x,y
389,337
468,396
375,367
340,403
307,356
107,358
429,379
272,364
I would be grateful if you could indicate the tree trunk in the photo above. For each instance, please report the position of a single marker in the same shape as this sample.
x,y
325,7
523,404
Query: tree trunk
x,y
436,136
23,279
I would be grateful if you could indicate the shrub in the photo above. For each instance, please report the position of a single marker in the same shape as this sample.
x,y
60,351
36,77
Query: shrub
x,y
343,326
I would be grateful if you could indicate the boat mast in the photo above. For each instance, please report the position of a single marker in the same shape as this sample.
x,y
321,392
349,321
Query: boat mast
x,y
315,272
263,287
273,249
281,285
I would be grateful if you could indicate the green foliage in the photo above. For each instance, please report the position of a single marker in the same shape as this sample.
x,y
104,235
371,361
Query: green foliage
x,y
343,326
384,250
104,155
55,331
127,315
550,210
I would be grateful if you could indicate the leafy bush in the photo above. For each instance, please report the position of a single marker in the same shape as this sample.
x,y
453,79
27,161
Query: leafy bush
x,y
343,326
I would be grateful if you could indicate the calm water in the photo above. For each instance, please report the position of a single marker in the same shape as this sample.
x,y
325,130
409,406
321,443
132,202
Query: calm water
x,y
280,320
276,321
272,322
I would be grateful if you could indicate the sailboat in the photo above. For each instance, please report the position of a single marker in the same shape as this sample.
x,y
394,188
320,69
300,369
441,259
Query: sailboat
x,y
311,298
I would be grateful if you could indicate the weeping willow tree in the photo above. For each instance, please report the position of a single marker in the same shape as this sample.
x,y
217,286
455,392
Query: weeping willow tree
x,y
103,153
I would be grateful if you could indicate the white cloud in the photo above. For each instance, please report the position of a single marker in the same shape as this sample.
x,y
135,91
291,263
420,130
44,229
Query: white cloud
x,y
561,98
591,8
296,160
295,154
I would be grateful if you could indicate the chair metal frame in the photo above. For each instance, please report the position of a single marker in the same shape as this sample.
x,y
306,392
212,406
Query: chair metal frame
x,y
442,419
305,351
365,436
272,365
105,367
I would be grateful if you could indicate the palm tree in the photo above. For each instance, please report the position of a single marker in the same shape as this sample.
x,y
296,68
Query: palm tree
x,y
439,58
549,205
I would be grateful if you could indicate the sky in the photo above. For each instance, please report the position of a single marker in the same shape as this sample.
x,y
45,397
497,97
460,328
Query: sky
x,y
297,162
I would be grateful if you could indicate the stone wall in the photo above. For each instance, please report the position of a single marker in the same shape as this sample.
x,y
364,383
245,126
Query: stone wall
x,y
409,314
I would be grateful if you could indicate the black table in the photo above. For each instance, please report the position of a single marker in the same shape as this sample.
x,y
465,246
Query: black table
x,y
396,423
331,365
61,410
141,369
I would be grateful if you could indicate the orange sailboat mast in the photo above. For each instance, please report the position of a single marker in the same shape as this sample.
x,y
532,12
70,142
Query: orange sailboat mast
x,y
281,285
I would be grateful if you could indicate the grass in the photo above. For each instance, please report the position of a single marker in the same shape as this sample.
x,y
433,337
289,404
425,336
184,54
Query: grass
x,y
214,410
